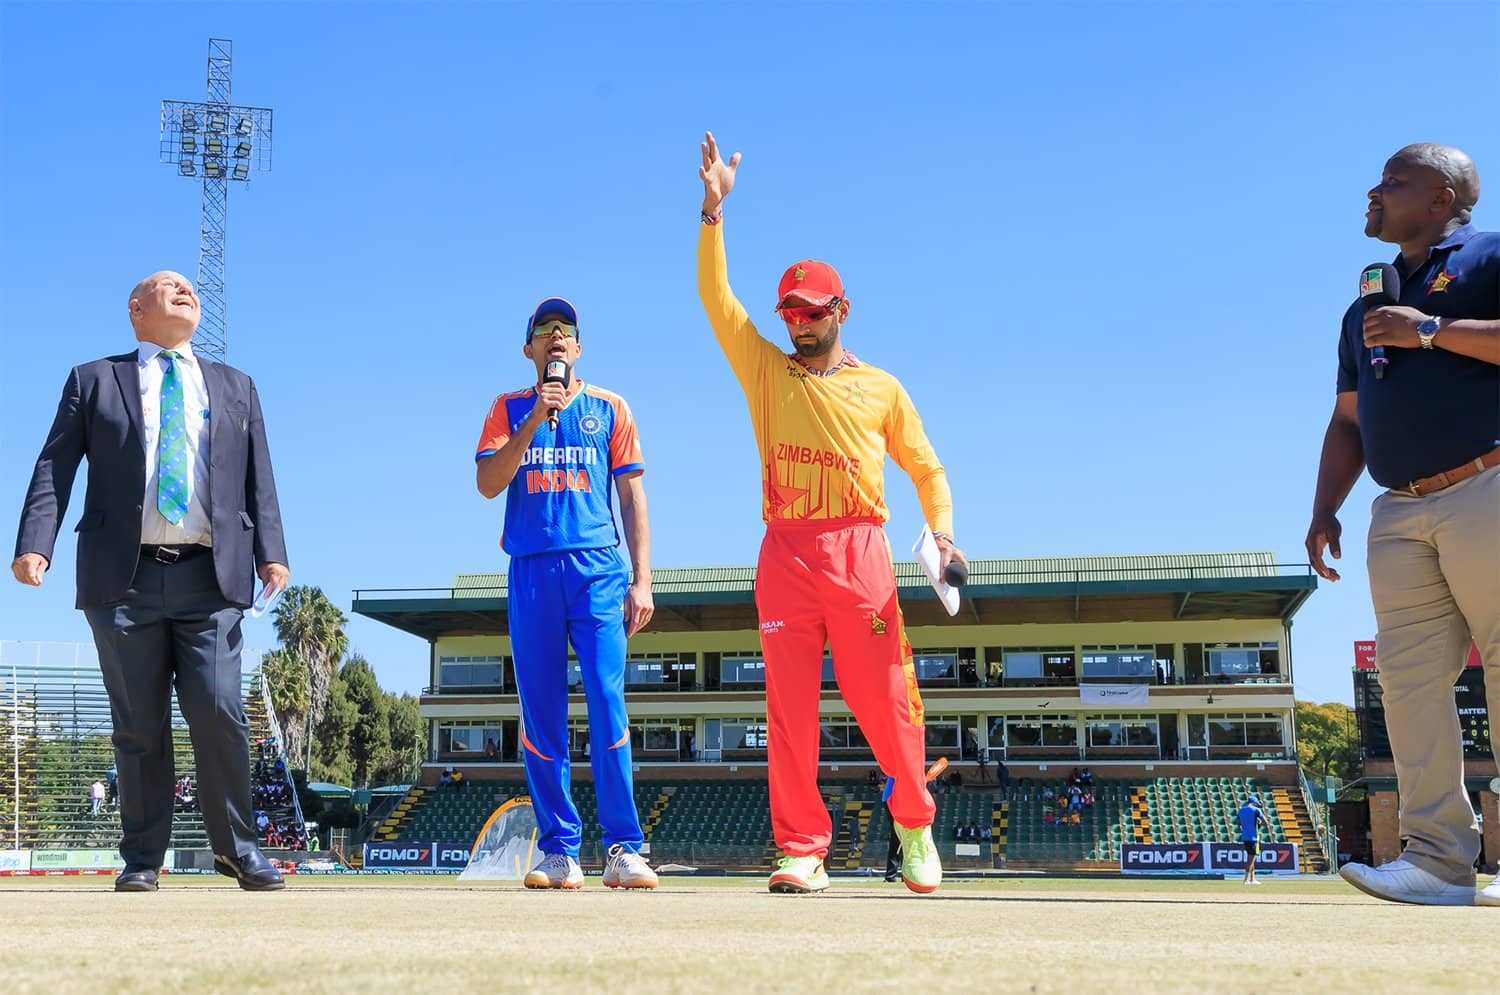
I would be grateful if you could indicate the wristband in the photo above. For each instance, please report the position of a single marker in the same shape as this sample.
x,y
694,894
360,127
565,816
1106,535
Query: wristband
x,y
711,219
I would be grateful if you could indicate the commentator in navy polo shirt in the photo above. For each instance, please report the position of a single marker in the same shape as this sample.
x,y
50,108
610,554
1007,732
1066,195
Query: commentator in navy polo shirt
x,y
1428,429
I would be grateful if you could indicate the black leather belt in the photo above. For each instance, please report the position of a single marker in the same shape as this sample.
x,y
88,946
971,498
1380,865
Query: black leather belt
x,y
173,554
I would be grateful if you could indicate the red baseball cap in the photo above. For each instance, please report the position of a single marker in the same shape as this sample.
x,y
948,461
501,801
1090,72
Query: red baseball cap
x,y
817,281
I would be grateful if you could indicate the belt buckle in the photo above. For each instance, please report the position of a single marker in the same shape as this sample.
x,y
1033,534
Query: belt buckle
x,y
167,554
1413,488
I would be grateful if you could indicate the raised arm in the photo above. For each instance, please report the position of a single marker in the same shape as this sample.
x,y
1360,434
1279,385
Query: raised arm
x,y
742,344
717,175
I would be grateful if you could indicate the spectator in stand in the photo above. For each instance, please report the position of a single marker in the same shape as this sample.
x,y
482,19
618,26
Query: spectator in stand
x,y
986,835
1002,778
1049,819
111,783
491,752
1086,778
1075,798
1048,795
447,777
458,779
96,797
1074,778
958,829
982,761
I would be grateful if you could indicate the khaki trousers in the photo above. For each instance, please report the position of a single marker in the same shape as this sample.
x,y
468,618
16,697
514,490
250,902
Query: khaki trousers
x,y
1434,565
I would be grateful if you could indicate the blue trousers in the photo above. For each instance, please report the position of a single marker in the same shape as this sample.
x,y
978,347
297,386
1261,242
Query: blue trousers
x,y
576,596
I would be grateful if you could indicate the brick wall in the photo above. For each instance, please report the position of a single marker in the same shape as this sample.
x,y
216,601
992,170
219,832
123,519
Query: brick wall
x,y
1385,826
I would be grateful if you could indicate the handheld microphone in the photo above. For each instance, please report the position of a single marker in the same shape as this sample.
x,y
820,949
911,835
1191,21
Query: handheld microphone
x,y
956,574
557,371
1379,286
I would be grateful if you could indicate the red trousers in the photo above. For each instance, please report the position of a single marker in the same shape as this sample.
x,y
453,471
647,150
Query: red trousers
x,y
832,582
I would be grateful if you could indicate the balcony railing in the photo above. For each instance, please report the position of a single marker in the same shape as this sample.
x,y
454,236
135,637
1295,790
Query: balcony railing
x,y
981,574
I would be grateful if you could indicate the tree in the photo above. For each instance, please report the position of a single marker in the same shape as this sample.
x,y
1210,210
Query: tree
x,y
311,626
1328,740
285,674
408,739
370,738
330,759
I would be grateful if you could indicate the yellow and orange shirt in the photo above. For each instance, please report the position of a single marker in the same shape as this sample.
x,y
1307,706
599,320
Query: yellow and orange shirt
x,y
822,439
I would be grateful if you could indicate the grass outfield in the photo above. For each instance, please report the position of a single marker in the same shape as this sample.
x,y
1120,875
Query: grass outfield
x,y
722,935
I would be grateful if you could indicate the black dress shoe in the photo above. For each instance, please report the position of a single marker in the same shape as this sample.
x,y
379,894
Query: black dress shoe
x,y
136,877
253,871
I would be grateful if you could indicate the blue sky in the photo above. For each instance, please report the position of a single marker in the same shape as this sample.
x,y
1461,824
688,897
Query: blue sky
x,y
1105,246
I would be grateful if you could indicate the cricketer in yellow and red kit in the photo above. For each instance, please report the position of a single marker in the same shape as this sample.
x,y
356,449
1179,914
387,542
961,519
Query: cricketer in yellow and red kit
x,y
825,571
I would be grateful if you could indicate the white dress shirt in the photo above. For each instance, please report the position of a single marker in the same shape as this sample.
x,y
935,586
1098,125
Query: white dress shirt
x,y
195,527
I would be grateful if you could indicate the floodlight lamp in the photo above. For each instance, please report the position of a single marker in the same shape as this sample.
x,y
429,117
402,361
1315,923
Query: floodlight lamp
x,y
213,169
242,150
214,146
242,170
218,121
243,128
189,121
189,144
185,167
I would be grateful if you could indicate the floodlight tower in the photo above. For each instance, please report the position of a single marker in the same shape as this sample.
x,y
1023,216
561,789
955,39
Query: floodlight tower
x,y
223,144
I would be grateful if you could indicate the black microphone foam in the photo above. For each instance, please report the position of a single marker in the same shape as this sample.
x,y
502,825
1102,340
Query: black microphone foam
x,y
956,574
557,371
1379,286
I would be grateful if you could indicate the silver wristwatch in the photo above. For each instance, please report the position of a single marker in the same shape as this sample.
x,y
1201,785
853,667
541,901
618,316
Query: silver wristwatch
x,y
1427,331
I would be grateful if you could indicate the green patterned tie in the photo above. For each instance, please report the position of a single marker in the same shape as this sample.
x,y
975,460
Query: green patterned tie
x,y
171,446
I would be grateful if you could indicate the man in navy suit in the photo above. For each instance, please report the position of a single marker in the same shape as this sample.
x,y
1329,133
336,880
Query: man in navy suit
x,y
179,513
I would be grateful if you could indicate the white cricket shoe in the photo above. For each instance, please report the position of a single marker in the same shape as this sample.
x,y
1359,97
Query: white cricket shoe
x,y
1490,895
1399,881
624,869
557,870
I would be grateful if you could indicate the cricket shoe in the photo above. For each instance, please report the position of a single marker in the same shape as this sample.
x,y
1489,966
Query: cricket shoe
x,y
920,867
799,875
1399,881
557,870
1490,895
626,869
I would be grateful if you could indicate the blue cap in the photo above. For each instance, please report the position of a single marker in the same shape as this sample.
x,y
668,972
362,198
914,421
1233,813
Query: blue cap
x,y
1255,800
552,305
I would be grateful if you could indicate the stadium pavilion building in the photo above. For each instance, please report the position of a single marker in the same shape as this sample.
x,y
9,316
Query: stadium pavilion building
x,y
1168,670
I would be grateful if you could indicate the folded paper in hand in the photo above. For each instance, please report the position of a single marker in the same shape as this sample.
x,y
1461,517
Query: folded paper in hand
x,y
267,600
927,553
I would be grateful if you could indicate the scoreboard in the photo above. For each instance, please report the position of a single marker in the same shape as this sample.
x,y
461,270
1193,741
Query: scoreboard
x,y
1468,693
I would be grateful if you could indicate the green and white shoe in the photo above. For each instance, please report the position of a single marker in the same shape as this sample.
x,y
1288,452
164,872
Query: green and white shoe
x,y
799,876
920,867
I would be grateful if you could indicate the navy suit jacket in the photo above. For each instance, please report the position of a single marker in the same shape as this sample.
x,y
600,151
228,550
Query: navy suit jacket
x,y
100,417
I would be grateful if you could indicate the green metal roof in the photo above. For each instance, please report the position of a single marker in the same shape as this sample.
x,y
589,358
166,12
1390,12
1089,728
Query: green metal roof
x,y
1008,591
1054,569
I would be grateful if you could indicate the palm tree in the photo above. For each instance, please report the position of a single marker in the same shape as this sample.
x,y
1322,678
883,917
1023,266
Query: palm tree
x,y
312,627
285,674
